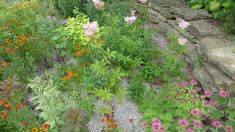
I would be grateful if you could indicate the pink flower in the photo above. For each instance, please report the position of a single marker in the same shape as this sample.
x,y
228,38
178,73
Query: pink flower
x,y
90,28
198,88
228,129
216,124
193,82
210,102
183,84
195,112
183,122
223,93
207,93
143,1
197,124
99,4
157,126
182,41
183,24
189,130
130,19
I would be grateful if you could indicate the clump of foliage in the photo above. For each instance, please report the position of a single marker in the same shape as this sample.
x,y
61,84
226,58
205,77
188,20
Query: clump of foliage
x,y
223,9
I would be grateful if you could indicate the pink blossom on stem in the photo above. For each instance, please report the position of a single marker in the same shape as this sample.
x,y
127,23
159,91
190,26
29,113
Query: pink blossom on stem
x,y
228,129
207,93
190,129
193,82
223,93
183,122
195,112
216,124
183,24
90,28
157,126
99,4
183,84
143,1
130,19
182,41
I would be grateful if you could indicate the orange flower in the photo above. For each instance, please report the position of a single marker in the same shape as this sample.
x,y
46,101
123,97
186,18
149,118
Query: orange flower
x,y
25,123
8,106
69,75
20,105
45,126
4,115
79,53
77,47
3,102
35,129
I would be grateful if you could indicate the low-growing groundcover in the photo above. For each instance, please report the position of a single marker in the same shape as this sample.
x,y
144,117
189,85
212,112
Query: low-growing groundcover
x,y
55,71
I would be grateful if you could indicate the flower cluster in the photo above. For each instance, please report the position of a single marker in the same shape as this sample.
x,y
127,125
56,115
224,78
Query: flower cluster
x,y
157,126
44,128
183,24
143,1
80,51
99,4
8,106
131,19
110,123
91,28
182,41
69,75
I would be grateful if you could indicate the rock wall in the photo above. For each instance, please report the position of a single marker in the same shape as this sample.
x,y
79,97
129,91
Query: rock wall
x,y
211,54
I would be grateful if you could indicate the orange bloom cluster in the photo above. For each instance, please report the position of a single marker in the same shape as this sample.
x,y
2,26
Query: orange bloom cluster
x,y
4,64
25,123
7,105
111,124
44,128
69,75
21,40
80,51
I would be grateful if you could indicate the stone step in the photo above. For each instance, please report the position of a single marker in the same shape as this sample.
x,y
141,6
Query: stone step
x,y
219,51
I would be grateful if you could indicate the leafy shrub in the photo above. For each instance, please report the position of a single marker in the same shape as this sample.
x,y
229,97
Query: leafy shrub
x,y
223,9
136,89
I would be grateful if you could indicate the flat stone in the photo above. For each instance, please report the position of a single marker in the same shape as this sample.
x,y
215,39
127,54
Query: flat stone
x,y
178,3
165,11
220,79
189,14
201,75
201,28
219,51
156,14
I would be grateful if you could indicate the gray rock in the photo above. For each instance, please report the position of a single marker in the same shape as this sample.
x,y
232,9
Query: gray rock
x,y
201,28
219,52
189,14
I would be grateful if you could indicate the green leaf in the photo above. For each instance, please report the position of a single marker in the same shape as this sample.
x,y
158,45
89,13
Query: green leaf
x,y
214,5
197,6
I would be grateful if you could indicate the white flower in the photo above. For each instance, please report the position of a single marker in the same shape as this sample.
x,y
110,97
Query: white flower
x,y
99,4
183,24
130,19
143,1
91,28
182,41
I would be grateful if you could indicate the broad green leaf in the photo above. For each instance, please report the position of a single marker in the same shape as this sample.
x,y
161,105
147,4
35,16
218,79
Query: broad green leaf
x,y
214,5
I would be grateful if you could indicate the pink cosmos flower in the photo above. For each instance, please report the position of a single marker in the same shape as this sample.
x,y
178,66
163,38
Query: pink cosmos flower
x,y
143,1
99,4
216,124
207,93
189,130
197,124
228,129
195,112
183,84
183,24
130,19
223,93
183,122
90,28
157,126
182,41
193,82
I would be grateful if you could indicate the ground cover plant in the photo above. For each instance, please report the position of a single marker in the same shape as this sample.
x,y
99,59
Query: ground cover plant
x,y
75,66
